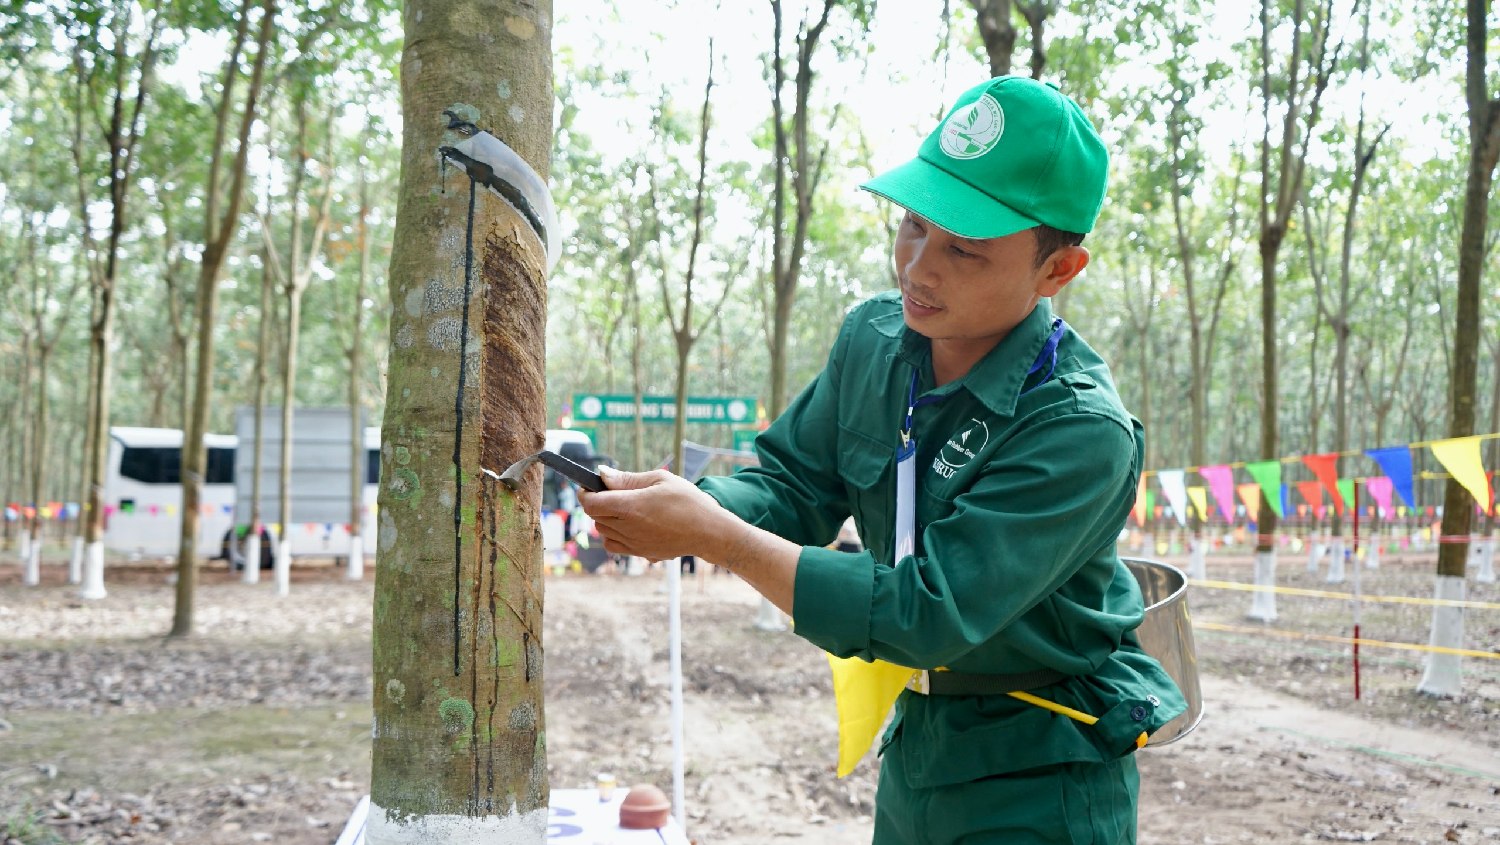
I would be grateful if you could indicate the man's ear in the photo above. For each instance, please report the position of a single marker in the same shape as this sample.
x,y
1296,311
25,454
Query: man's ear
x,y
1061,267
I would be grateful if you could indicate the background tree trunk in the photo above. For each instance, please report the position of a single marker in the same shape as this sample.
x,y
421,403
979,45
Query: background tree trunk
x,y
219,232
459,746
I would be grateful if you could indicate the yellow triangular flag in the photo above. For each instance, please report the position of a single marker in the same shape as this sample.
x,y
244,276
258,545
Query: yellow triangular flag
x,y
863,693
1460,456
1199,495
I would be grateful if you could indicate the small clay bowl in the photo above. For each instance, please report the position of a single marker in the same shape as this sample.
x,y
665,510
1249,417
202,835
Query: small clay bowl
x,y
645,808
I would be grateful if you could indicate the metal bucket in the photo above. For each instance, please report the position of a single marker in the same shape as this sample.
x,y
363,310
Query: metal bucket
x,y
1167,635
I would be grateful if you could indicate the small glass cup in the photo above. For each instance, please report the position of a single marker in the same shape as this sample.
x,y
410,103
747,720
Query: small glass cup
x,y
606,783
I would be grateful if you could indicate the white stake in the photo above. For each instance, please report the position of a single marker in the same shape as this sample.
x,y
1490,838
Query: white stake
x,y
674,650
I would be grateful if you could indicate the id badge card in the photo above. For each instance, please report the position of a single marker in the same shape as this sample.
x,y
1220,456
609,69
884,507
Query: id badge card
x,y
906,500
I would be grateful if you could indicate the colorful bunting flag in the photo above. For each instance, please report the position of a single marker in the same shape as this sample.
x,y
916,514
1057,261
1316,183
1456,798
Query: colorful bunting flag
x,y
1380,488
1199,498
1268,475
1221,481
1250,494
1460,456
1139,509
1172,484
1396,461
1325,468
1346,490
1312,492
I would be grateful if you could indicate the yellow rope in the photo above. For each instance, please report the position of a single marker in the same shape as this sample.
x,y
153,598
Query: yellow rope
x,y
1325,594
1239,629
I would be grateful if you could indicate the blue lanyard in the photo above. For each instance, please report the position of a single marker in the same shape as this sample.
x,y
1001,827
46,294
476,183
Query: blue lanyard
x,y
1047,356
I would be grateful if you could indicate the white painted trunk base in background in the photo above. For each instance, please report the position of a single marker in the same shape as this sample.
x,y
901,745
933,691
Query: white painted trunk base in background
x,y
768,618
1486,574
23,551
250,574
1336,562
1372,554
1197,558
75,562
1444,672
282,567
31,564
1314,551
519,828
1263,602
93,572
356,570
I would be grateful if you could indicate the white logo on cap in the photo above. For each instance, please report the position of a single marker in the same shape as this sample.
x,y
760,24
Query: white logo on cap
x,y
974,129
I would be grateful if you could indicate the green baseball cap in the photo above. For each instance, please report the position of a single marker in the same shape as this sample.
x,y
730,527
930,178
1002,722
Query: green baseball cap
x,y
1013,154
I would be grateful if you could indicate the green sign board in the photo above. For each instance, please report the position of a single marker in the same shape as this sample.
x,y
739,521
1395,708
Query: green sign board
x,y
606,407
744,440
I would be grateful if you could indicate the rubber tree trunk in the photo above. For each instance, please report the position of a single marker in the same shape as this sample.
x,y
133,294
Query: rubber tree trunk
x,y
355,569
283,563
459,740
221,219
1444,671
252,554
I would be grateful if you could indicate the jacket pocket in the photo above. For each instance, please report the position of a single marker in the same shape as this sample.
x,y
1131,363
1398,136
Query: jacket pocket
x,y
865,466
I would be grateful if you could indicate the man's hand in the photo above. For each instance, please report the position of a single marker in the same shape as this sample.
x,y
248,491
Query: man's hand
x,y
658,515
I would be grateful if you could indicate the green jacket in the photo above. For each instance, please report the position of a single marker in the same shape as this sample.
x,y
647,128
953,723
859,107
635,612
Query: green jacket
x,y
1020,500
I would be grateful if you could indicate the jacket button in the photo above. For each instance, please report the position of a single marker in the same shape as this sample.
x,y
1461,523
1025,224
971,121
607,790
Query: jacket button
x,y
1138,713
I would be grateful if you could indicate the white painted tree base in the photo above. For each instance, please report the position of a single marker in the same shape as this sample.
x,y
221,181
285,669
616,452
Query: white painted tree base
x,y
75,562
283,567
250,573
1263,602
93,572
23,550
522,829
356,570
1315,551
1443,675
575,817
1372,554
31,564
768,618
1336,562
1197,558
1486,574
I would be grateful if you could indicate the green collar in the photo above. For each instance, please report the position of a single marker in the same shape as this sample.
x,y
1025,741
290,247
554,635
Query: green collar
x,y
997,379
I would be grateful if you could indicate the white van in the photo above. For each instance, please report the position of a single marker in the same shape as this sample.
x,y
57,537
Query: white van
x,y
143,492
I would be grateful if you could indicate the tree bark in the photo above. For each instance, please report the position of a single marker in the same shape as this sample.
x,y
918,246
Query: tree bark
x,y
1484,148
122,132
219,232
459,744
358,459
997,31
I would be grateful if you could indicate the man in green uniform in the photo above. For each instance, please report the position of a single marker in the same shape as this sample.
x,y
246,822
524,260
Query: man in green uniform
x,y
983,451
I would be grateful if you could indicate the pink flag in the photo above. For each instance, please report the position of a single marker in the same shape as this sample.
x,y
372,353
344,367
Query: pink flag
x,y
1381,487
1221,481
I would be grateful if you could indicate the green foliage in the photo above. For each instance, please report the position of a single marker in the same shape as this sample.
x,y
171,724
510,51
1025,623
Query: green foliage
x,y
25,827
1145,72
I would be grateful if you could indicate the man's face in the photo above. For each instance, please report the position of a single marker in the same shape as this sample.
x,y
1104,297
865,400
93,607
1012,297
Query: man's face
x,y
966,293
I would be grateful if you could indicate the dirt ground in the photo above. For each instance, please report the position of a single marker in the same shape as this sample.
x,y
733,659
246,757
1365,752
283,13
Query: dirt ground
x,y
257,729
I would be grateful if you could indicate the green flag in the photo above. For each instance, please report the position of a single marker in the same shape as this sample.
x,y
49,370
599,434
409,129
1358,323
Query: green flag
x,y
1268,475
